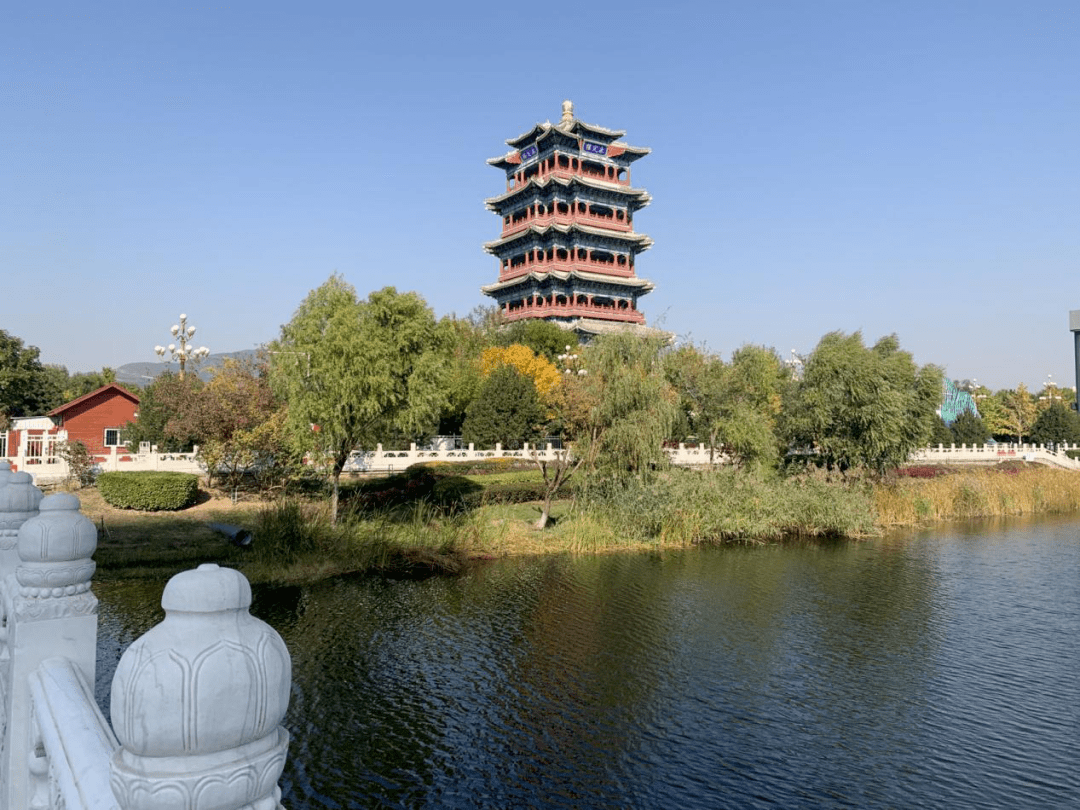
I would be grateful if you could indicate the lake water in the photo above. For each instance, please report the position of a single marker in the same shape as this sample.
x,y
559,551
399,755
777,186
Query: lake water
x,y
932,670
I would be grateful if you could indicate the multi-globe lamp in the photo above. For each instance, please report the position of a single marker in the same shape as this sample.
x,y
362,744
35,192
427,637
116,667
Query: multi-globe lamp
x,y
183,352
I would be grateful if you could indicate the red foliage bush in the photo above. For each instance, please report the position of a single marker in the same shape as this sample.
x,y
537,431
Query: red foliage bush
x,y
922,471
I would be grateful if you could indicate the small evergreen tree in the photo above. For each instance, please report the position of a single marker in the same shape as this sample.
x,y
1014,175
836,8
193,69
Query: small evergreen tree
x,y
941,434
507,410
969,429
1056,424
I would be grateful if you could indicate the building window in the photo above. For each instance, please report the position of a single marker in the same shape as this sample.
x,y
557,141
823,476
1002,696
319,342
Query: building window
x,y
3,444
112,437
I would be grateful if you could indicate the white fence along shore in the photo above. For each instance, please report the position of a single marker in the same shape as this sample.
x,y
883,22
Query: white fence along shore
x,y
51,470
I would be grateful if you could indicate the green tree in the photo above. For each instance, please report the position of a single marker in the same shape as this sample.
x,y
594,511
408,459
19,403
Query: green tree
x,y
859,406
731,406
466,338
992,411
353,372
545,338
1018,411
699,380
1056,423
969,429
755,384
165,416
941,434
221,416
506,410
628,407
26,387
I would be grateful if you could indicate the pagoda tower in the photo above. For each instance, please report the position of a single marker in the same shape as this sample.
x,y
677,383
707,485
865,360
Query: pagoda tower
x,y
568,248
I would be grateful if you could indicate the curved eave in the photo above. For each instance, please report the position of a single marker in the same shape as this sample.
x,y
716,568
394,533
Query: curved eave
x,y
643,242
643,285
502,161
592,129
537,131
644,198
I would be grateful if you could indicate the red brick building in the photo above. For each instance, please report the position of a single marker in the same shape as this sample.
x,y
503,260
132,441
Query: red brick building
x,y
95,419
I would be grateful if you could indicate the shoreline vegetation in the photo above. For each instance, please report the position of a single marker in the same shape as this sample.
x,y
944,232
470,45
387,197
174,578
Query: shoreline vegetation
x,y
424,522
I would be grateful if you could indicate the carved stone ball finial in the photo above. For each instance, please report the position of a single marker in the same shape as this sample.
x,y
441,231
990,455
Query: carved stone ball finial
x,y
567,112
197,702
55,548
19,500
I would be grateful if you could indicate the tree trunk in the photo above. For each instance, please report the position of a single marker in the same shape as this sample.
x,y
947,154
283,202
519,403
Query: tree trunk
x,y
334,494
545,513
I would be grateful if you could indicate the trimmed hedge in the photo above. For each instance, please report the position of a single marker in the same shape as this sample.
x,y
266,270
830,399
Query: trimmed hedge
x,y
148,491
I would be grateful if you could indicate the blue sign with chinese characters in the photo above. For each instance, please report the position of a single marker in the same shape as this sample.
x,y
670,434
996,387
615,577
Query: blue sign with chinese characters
x,y
594,148
528,153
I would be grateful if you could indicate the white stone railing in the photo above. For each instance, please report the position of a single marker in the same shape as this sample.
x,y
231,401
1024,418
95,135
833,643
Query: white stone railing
x,y
995,453
116,460
380,460
197,701
71,742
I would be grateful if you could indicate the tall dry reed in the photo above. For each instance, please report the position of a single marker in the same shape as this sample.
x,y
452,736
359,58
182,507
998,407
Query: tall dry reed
x,y
976,493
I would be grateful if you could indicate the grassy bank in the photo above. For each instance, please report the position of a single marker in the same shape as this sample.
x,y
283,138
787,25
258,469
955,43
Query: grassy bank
x,y
416,536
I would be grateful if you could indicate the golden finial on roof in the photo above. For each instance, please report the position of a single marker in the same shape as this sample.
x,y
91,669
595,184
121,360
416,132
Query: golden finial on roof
x,y
567,113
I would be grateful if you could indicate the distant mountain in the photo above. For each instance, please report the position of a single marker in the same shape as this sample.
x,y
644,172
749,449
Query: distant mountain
x,y
144,373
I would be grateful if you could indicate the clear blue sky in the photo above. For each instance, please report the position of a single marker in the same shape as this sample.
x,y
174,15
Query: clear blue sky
x,y
909,167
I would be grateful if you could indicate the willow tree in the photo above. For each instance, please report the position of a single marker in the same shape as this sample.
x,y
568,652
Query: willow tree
x,y
860,406
731,406
354,372
614,409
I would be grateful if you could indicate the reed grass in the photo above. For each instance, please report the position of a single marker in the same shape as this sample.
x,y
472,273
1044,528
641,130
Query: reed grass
x,y
688,507
976,493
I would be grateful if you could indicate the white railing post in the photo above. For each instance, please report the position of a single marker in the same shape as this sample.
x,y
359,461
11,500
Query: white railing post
x,y
197,702
51,612
19,500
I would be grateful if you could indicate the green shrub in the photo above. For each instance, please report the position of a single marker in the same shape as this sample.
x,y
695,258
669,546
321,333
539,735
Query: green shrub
x,y
482,466
80,462
454,492
513,492
148,491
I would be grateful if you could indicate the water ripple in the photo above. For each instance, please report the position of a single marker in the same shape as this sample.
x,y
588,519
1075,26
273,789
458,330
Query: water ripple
x,y
937,670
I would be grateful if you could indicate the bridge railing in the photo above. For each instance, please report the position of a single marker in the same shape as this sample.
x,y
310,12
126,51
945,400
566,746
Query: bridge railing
x,y
1055,455
197,701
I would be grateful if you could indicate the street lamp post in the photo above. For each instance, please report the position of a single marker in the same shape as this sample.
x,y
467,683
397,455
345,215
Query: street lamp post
x,y
1051,391
182,352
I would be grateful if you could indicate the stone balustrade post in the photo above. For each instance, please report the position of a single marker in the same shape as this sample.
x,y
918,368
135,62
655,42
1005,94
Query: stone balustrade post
x,y
19,500
51,612
197,702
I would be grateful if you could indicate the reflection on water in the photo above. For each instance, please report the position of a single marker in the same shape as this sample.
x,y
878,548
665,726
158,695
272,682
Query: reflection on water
x,y
929,670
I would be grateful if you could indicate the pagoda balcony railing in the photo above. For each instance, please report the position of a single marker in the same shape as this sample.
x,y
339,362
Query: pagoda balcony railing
x,y
610,223
568,310
567,265
567,173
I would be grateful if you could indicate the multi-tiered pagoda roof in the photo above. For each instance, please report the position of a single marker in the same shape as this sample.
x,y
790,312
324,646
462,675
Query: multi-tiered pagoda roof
x,y
568,247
